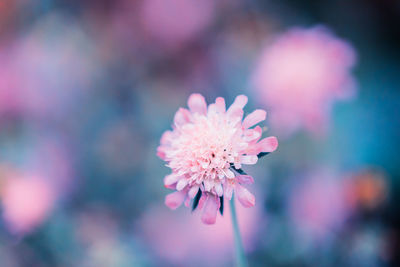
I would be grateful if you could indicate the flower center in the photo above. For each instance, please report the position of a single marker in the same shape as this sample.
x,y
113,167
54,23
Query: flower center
x,y
205,148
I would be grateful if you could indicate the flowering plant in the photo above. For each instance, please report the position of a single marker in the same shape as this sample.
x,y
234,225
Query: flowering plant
x,y
301,75
206,147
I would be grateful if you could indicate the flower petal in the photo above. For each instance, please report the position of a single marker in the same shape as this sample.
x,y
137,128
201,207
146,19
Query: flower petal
x,y
174,200
212,109
240,102
229,173
249,160
181,184
166,137
251,135
210,210
245,179
197,104
182,116
253,118
170,180
164,141
235,115
202,200
220,104
161,152
219,190
258,129
246,198
208,185
228,190
193,191
268,144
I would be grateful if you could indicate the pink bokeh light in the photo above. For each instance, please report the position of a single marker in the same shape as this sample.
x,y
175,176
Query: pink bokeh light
x,y
181,237
301,74
320,205
27,201
175,22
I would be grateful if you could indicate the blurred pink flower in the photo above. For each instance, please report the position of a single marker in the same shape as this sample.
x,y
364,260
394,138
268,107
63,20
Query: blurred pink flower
x,y
174,22
301,75
49,157
30,189
10,83
181,238
320,205
27,201
47,71
205,146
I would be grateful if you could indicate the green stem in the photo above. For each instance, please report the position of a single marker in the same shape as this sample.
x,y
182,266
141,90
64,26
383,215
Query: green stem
x,y
240,258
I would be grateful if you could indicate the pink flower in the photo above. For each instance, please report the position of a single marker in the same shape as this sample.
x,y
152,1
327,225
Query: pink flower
x,y
46,72
175,22
205,147
301,75
26,202
10,83
319,206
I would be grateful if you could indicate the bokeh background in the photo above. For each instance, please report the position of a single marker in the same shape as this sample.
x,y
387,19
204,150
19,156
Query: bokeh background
x,y
88,87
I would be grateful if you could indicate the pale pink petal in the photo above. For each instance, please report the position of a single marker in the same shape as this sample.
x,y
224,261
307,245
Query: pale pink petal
x,y
246,198
235,115
181,184
245,179
212,109
253,118
229,173
251,135
202,201
240,102
197,104
237,165
166,138
208,185
220,103
268,144
193,191
170,179
210,210
174,200
249,160
259,131
182,116
219,190
228,190
161,153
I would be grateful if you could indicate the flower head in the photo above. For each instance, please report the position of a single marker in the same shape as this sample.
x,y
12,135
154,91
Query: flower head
x,y
162,20
27,202
319,204
205,147
301,75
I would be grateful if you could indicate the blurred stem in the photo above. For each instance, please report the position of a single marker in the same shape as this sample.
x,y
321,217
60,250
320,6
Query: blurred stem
x,y
239,252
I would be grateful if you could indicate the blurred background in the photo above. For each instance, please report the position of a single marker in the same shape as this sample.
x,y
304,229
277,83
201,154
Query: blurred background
x,y
88,87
